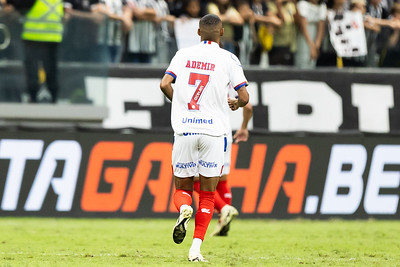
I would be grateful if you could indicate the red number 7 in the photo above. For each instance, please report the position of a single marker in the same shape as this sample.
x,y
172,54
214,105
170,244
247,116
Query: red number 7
x,y
193,78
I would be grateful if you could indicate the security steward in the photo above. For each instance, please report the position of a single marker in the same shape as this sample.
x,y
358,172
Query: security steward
x,y
42,34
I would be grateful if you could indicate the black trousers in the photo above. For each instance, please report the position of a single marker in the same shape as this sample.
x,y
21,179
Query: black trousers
x,y
281,55
44,53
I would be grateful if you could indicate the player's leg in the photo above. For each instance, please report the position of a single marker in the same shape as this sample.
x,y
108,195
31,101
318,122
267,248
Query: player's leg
x,y
203,216
223,188
227,214
183,202
206,205
223,197
184,162
196,184
211,160
223,194
219,203
183,192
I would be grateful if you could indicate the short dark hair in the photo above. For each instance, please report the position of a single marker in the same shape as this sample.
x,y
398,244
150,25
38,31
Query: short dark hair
x,y
210,20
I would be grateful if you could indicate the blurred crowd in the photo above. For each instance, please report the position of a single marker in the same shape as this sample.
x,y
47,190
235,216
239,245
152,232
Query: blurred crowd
x,y
259,32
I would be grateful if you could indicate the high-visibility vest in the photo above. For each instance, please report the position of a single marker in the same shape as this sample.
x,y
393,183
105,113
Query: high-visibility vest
x,y
43,22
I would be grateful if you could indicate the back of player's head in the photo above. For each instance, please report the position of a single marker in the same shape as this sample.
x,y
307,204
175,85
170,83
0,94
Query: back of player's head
x,y
210,20
210,28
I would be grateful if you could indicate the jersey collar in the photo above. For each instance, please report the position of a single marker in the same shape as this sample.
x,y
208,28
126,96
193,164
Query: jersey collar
x,y
210,43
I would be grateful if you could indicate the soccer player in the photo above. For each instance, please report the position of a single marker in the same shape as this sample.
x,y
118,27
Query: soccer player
x,y
223,194
202,76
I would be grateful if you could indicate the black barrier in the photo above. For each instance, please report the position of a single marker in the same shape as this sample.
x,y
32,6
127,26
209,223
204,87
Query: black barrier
x,y
291,100
93,174
285,100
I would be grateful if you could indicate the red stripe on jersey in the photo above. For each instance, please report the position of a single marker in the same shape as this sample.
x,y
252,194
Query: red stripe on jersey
x,y
240,85
171,73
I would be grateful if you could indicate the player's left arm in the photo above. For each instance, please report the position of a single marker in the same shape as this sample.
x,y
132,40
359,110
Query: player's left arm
x,y
166,86
241,101
239,83
242,135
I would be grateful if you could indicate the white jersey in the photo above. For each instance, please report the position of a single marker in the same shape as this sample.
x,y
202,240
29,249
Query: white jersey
x,y
203,74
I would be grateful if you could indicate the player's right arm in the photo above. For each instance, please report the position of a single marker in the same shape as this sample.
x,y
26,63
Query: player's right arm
x,y
166,85
170,76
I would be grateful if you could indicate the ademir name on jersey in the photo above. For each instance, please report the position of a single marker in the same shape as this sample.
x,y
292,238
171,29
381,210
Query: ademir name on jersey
x,y
199,121
200,65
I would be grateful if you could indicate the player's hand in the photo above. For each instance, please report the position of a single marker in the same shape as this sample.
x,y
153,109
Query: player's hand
x,y
241,135
233,103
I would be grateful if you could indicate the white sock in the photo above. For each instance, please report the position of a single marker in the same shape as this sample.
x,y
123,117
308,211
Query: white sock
x,y
196,245
183,207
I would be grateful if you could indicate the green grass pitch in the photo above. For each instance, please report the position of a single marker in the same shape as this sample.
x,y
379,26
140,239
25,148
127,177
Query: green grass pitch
x,y
144,242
